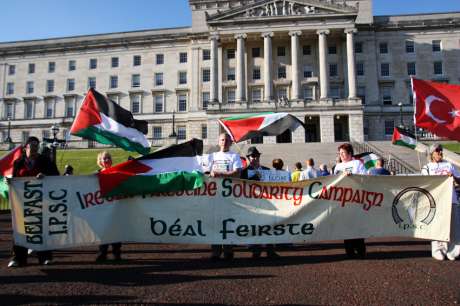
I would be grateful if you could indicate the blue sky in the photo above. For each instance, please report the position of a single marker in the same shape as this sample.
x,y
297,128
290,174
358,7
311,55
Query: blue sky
x,y
38,19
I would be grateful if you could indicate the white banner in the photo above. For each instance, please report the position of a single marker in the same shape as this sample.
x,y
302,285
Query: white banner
x,y
68,211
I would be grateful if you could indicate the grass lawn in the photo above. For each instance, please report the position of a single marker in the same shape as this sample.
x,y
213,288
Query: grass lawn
x,y
452,146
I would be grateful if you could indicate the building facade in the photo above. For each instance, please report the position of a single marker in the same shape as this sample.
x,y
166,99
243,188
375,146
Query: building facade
x,y
340,70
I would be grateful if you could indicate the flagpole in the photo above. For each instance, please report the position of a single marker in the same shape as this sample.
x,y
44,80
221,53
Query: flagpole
x,y
414,100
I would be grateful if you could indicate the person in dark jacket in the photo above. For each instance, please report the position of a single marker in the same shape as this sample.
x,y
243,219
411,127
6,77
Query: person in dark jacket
x,y
31,163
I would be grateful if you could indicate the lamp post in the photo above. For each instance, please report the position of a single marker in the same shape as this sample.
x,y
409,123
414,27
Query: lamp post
x,y
54,141
8,137
401,123
173,134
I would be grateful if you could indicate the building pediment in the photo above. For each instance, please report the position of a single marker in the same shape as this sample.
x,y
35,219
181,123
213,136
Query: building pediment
x,y
278,9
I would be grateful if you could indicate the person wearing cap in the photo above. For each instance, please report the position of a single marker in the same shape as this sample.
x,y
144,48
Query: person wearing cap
x,y
252,173
224,163
438,166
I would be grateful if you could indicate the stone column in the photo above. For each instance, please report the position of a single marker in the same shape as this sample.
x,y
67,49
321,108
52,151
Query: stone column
x,y
323,75
356,127
268,75
295,64
240,68
326,123
351,64
213,95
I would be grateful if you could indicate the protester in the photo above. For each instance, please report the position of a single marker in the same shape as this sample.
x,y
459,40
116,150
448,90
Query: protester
x,y
295,175
353,247
379,168
278,164
323,171
309,172
439,166
32,164
338,160
252,173
104,161
224,164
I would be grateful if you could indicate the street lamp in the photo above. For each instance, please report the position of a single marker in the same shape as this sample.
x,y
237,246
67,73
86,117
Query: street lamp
x,y
8,137
54,141
401,123
173,134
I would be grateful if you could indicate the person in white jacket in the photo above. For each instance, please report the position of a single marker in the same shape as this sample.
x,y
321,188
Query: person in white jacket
x,y
438,166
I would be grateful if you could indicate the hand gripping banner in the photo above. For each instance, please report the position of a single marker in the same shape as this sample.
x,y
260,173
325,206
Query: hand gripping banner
x,y
64,212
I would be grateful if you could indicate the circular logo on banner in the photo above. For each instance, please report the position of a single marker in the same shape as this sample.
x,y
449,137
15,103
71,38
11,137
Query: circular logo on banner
x,y
413,207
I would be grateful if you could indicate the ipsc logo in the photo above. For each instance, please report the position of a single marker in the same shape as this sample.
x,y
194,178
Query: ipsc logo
x,y
413,207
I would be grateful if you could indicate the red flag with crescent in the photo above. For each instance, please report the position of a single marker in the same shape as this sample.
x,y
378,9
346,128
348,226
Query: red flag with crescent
x,y
437,108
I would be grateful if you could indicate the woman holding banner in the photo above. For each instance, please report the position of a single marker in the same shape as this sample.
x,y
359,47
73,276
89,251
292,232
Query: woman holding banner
x,y
438,166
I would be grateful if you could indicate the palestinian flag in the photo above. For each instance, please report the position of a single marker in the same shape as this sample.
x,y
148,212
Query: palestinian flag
x,y
178,167
247,126
6,169
403,138
104,121
369,159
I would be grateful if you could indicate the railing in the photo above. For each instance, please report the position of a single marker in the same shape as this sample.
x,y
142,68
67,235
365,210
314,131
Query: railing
x,y
394,165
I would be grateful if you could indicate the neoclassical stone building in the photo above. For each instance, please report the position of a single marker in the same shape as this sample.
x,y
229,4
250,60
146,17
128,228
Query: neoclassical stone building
x,y
342,71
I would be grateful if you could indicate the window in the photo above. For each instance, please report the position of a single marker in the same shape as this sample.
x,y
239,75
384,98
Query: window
x,y
204,131
182,101
31,68
307,71
92,82
282,93
231,74
159,99
281,72
136,80
308,92
205,96
436,45
136,60
386,95
10,88
72,65
49,85
437,68
181,133
160,59
306,50
332,49
206,55
30,87
11,69
256,73
359,68
51,67
281,51
113,81
383,47
46,134
183,57
230,53
411,68
135,104
157,132
70,84
28,109
114,98
206,75
9,110
159,79
115,62
69,106
255,52
358,47
333,70
93,63
231,96
256,95
335,92
48,109
361,93
389,127
410,46
384,69
182,77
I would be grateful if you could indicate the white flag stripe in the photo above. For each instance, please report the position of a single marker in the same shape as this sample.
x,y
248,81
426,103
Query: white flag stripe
x,y
172,164
407,139
269,119
133,135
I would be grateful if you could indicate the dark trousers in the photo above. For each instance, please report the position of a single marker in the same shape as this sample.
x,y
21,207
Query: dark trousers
x,y
257,249
355,248
116,249
20,255
217,249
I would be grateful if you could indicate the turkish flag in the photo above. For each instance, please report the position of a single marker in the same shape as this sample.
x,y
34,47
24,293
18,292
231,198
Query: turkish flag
x,y
437,108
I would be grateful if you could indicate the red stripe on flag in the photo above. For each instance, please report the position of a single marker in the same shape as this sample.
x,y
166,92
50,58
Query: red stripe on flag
x,y
111,177
239,128
7,162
